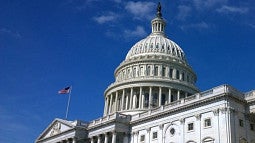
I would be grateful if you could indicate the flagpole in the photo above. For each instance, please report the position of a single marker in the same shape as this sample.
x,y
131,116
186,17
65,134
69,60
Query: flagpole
x,y
68,102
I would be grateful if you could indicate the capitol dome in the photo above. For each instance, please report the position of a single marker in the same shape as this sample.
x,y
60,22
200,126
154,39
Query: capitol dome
x,y
154,73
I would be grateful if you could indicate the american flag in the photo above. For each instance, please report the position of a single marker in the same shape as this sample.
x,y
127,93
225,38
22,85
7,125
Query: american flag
x,y
65,90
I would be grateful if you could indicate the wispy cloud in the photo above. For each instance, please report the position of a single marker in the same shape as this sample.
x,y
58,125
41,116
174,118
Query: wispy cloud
x,y
205,4
198,26
138,32
183,12
106,18
230,9
140,9
9,32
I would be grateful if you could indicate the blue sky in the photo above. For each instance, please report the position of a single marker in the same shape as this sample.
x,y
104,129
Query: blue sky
x,y
46,45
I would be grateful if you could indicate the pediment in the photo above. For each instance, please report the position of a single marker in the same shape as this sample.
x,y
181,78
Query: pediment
x,y
57,127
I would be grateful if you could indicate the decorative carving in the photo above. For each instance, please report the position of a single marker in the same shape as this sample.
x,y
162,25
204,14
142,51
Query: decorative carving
x,y
182,120
198,116
223,110
56,129
215,112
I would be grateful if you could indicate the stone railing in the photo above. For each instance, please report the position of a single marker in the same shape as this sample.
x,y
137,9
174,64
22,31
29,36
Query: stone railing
x,y
115,116
219,90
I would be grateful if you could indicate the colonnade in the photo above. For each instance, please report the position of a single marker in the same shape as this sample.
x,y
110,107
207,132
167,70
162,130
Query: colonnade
x,y
109,137
141,98
69,140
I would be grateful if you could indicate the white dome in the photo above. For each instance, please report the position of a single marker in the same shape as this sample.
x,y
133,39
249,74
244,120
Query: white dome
x,y
156,44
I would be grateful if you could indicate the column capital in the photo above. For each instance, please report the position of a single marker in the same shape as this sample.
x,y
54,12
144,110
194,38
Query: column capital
x,y
198,116
182,120
148,129
215,112
161,126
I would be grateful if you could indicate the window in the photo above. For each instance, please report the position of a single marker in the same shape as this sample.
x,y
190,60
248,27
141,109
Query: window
x,y
163,71
190,127
172,131
241,122
156,71
207,122
171,73
252,127
148,70
177,74
142,71
155,135
142,138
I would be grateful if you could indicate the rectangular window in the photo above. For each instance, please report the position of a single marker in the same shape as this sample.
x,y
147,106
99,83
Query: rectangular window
x,y
241,122
190,127
163,71
156,71
208,122
142,138
171,73
142,71
155,135
252,127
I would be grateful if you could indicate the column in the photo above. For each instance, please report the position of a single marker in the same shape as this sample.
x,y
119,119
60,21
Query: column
x,y
92,140
198,124
125,139
127,103
160,96
116,101
169,95
105,138
178,94
122,100
110,106
106,106
150,97
160,133
113,137
98,139
148,135
142,102
131,98
140,98
74,140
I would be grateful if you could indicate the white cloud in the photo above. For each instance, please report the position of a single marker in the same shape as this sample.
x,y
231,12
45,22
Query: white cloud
x,y
199,26
141,9
138,32
106,18
204,4
184,12
229,9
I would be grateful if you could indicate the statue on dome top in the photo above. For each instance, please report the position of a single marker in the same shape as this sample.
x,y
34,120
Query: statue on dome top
x,y
159,14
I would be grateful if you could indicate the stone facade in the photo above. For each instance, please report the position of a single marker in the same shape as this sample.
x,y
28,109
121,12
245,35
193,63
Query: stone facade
x,y
154,100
